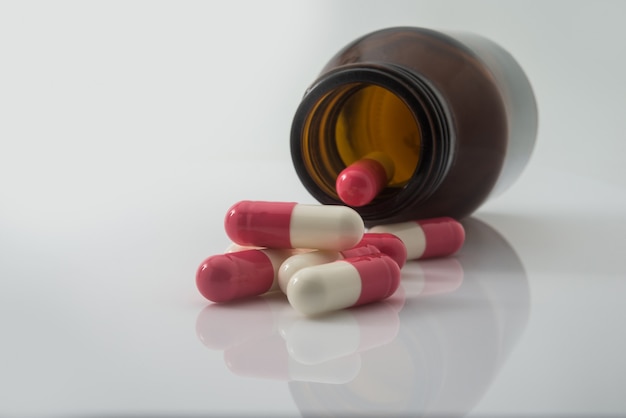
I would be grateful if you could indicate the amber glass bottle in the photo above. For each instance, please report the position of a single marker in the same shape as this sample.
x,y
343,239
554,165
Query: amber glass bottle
x,y
453,111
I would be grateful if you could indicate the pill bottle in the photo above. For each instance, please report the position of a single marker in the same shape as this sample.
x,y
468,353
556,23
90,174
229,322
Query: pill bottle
x,y
454,112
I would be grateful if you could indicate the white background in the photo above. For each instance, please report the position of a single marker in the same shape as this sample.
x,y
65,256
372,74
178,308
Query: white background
x,y
128,128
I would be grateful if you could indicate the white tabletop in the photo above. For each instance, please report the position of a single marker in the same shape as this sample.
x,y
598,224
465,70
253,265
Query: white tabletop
x,y
127,130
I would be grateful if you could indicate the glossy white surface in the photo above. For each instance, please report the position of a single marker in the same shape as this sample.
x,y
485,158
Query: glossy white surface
x,y
127,130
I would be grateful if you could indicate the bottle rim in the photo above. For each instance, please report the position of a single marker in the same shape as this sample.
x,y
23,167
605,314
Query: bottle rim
x,y
428,110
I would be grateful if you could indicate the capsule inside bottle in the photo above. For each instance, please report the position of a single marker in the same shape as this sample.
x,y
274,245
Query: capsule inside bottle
x,y
360,182
358,123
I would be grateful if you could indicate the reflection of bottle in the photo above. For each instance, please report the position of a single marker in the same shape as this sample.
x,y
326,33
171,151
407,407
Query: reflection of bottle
x,y
449,347
454,113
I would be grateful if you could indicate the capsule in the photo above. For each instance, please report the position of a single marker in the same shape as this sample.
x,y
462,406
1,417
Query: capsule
x,y
427,238
360,182
342,284
292,225
371,243
297,262
387,244
237,275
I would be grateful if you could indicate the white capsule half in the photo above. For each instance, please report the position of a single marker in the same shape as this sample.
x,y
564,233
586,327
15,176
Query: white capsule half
x,y
297,262
326,227
314,258
342,284
427,238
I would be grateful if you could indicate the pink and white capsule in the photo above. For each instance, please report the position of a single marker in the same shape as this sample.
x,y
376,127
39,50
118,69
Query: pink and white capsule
x,y
360,182
387,244
297,262
292,225
343,284
427,238
371,243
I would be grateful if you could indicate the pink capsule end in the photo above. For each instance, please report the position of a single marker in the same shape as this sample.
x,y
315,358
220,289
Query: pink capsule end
x,y
226,277
380,277
360,182
261,224
360,250
388,244
444,236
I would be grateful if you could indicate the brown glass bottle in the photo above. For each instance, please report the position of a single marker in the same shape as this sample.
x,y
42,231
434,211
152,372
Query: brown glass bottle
x,y
454,111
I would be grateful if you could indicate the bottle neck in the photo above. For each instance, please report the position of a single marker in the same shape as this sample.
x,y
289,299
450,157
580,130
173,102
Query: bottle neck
x,y
361,108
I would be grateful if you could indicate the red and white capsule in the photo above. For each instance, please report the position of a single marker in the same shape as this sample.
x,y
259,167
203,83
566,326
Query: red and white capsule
x,y
387,244
371,243
297,262
360,182
343,284
242,274
292,225
427,238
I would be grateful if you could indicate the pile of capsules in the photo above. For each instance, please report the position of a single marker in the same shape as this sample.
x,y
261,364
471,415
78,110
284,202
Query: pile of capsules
x,y
320,256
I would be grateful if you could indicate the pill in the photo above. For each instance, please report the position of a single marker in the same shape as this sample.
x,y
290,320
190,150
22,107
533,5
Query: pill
x,y
299,261
371,243
386,243
292,225
237,275
427,238
342,284
360,182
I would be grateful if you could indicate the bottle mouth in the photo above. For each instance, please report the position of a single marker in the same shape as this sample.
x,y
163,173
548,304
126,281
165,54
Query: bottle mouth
x,y
357,110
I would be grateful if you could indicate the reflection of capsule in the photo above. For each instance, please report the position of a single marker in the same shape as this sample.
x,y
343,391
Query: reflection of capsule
x,y
342,284
324,350
266,357
220,326
290,225
425,370
432,277
311,341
